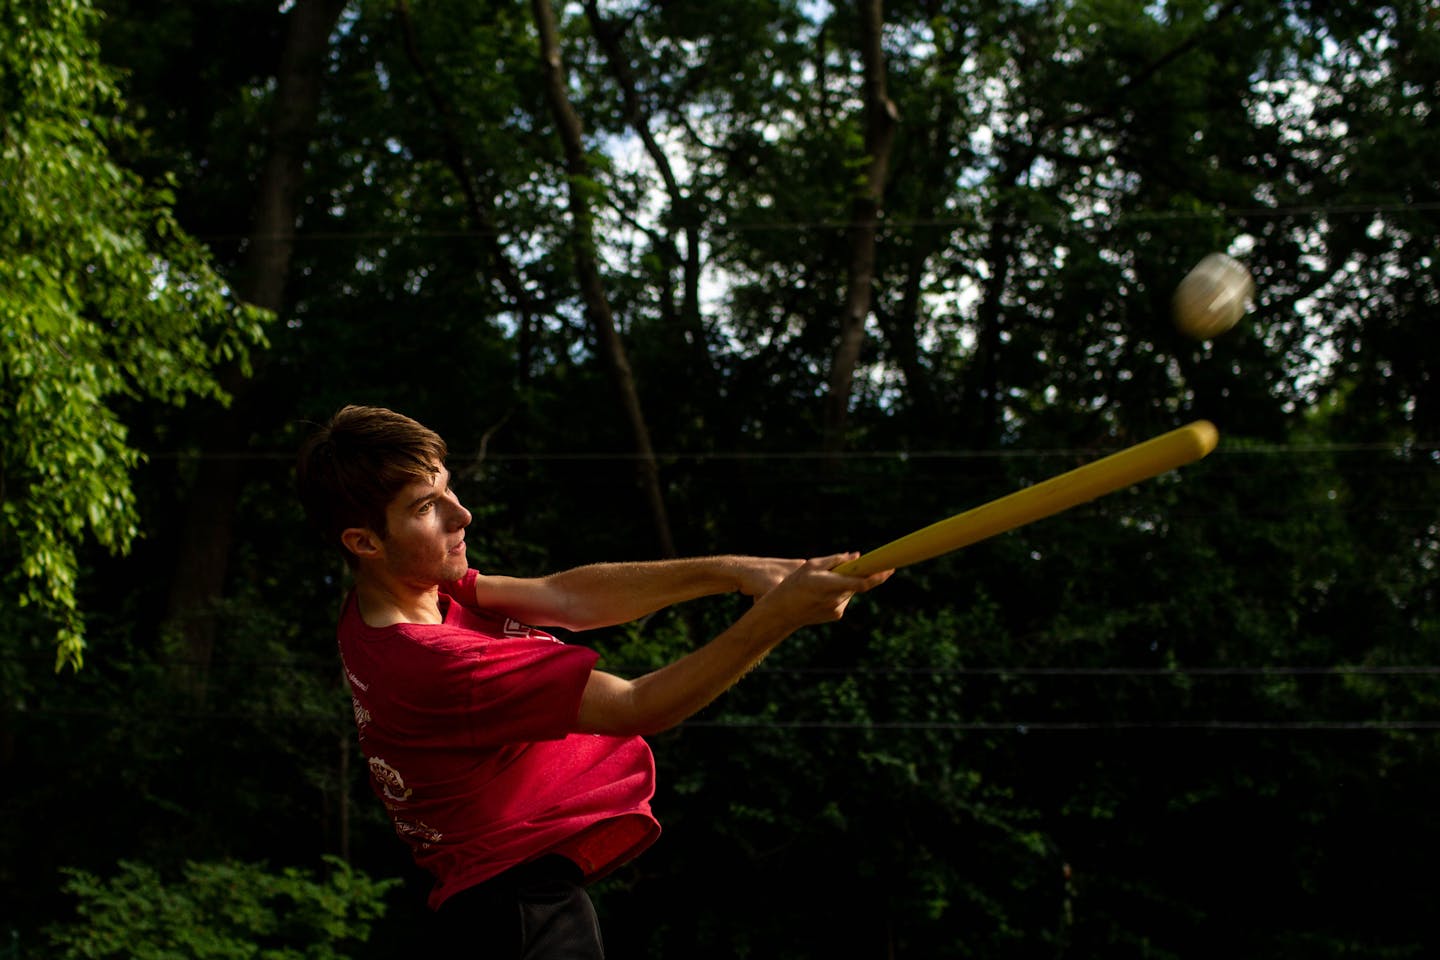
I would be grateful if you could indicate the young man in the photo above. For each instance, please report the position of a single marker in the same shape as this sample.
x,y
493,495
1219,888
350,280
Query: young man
x,y
512,768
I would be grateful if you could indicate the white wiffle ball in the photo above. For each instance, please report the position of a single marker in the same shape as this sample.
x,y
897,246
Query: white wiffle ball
x,y
1212,297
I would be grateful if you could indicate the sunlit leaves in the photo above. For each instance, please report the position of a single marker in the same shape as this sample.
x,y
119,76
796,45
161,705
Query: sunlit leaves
x,y
219,909
102,298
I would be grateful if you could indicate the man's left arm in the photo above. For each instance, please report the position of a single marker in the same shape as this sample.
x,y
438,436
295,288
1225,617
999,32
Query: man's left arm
x,y
604,594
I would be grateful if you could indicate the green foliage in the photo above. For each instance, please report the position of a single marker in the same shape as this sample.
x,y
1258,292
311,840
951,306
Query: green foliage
x,y
220,911
1047,745
103,300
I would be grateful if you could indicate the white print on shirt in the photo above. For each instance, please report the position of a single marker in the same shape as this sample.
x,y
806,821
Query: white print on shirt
x,y
418,832
362,716
514,628
392,785
355,681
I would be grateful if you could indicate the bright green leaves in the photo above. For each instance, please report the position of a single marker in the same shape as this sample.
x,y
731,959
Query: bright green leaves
x,y
102,299
222,909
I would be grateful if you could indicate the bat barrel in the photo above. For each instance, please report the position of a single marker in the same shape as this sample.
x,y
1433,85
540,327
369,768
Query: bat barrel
x,y
1047,498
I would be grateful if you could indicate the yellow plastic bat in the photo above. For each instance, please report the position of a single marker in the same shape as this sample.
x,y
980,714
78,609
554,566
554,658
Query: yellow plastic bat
x,y
1047,498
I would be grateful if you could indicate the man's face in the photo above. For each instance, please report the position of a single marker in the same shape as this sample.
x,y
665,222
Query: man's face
x,y
425,533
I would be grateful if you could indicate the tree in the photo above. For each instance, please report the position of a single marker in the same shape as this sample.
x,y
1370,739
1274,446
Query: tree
x,y
203,556
1045,745
104,301
880,118
583,245
220,909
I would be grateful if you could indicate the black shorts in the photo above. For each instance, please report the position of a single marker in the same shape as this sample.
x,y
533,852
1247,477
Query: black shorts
x,y
535,911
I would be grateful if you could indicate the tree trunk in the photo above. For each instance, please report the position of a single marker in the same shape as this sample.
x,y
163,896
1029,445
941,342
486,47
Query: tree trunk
x,y
980,395
205,539
683,208
484,222
597,305
881,117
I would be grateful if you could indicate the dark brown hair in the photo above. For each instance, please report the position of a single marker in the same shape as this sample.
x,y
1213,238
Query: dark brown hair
x,y
352,467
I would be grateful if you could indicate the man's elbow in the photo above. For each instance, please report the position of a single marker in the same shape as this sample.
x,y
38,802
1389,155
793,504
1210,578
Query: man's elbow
x,y
624,727
625,723
617,707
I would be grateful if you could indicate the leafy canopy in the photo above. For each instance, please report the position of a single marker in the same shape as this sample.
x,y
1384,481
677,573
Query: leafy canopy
x,y
103,300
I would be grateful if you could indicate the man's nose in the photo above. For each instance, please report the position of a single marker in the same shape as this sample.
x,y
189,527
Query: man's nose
x,y
459,516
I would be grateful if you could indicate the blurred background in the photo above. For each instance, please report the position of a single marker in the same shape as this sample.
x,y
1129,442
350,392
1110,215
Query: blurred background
x,y
764,277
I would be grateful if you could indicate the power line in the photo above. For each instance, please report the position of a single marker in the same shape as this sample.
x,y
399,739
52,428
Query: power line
x,y
920,670
1047,726
701,456
1176,672
891,224
755,724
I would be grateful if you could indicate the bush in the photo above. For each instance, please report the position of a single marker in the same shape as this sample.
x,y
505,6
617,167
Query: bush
x,y
219,910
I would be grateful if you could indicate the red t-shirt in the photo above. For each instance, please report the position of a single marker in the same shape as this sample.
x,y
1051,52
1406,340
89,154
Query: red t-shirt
x,y
466,727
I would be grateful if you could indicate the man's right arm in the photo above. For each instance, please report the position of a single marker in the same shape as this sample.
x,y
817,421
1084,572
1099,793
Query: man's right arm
x,y
604,594
665,697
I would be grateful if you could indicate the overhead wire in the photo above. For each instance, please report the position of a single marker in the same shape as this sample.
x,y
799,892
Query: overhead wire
x,y
962,453
1065,672
1117,672
894,223
741,723
110,714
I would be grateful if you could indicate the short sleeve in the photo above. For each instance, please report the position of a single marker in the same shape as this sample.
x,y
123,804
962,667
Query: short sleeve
x,y
490,691
462,591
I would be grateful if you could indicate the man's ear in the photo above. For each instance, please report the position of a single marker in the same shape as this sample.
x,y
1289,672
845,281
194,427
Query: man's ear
x,y
362,542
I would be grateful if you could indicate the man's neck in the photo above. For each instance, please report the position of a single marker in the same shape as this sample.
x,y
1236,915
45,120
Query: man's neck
x,y
384,603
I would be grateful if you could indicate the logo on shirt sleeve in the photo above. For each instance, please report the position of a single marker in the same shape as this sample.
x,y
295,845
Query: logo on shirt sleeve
x,y
514,628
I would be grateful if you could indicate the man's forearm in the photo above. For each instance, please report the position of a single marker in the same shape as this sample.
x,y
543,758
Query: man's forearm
x,y
604,594
664,697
